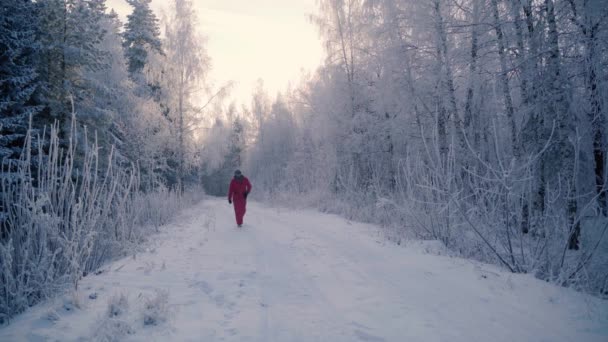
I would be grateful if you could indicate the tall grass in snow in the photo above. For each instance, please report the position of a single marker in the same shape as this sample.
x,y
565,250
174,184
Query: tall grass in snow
x,y
489,211
64,211
480,207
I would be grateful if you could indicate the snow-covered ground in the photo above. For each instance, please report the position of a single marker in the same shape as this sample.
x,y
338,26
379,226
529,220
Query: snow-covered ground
x,y
304,276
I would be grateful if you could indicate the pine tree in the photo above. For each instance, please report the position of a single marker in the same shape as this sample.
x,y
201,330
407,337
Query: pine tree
x,y
108,87
142,34
237,142
18,76
70,32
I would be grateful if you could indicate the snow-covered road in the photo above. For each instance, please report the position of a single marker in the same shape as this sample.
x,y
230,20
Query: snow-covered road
x,y
304,276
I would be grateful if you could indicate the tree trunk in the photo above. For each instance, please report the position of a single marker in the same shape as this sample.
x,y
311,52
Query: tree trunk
x,y
469,116
522,59
504,80
452,106
595,113
181,153
538,120
598,122
563,118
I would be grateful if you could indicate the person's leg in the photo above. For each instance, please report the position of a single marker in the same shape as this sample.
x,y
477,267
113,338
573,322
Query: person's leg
x,y
239,209
244,211
236,212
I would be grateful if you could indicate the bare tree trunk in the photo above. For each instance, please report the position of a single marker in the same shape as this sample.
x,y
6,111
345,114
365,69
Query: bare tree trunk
x,y
504,80
345,33
449,78
63,82
537,118
599,148
469,116
563,118
595,113
525,96
598,122
441,110
521,55
442,137
180,133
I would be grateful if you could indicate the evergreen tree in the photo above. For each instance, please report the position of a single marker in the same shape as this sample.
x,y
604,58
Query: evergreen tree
x,y
70,32
18,76
142,34
108,87
234,158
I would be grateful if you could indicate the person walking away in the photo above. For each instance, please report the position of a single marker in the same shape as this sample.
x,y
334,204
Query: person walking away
x,y
237,195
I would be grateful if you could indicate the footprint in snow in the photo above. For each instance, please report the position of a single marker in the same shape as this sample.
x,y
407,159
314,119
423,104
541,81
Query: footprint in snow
x,y
203,285
363,336
232,332
219,300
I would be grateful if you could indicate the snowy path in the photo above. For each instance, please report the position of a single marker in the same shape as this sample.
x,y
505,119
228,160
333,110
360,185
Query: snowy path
x,y
305,276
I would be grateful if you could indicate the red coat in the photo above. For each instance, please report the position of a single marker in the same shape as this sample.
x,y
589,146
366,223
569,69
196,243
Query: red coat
x,y
236,194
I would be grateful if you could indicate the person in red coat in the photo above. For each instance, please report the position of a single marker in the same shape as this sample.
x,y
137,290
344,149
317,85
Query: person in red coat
x,y
237,194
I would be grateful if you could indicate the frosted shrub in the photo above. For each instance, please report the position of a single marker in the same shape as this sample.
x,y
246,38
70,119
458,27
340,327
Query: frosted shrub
x,y
112,330
64,212
483,212
117,305
158,207
72,302
114,326
156,308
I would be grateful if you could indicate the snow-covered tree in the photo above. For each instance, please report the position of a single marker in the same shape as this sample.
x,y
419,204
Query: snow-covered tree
x,y
223,151
479,123
79,188
18,76
70,32
186,71
275,144
141,36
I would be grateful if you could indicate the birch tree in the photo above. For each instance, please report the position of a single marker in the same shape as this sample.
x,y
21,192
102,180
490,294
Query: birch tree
x,y
188,67
489,115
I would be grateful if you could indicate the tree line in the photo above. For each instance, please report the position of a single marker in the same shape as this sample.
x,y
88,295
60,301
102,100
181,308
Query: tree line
x,y
97,135
479,123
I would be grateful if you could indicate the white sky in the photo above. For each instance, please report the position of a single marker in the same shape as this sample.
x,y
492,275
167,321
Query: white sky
x,y
251,39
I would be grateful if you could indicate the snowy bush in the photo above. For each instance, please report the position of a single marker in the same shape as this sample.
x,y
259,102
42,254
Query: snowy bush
x,y
156,308
64,215
114,325
112,330
117,305
72,302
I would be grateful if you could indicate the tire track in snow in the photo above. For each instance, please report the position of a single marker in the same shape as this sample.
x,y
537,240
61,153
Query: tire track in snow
x,y
295,309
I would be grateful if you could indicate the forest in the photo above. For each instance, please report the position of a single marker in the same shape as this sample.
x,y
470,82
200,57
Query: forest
x,y
477,123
